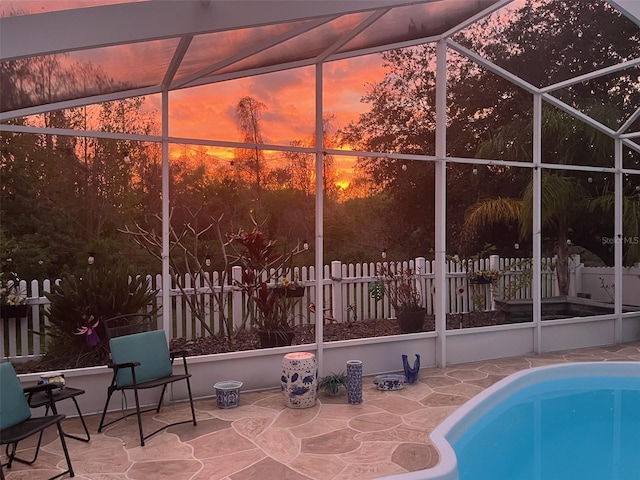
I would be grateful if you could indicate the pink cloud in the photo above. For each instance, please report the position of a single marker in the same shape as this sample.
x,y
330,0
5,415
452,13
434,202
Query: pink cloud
x,y
209,111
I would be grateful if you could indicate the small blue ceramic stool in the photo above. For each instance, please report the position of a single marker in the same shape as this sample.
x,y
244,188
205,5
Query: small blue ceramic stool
x,y
299,379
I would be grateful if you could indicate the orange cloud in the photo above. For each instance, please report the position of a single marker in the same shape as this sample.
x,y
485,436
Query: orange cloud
x,y
208,112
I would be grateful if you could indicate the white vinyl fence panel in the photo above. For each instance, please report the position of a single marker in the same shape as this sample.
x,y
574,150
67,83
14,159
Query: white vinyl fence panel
x,y
346,298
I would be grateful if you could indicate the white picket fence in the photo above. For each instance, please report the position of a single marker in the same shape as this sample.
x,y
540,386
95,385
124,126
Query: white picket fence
x,y
346,298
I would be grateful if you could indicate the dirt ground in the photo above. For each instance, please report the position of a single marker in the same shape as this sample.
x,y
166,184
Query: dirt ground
x,y
304,334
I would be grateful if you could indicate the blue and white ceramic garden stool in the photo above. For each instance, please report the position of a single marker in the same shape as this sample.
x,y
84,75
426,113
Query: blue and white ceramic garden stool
x,y
299,379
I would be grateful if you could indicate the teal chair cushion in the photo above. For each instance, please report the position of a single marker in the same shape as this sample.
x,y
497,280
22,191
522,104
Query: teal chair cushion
x,y
14,408
150,349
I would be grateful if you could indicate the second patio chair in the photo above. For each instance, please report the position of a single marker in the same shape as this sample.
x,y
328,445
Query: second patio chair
x,y
143,361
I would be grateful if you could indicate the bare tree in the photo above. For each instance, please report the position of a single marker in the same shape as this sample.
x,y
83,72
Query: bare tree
x,y
188,261
248,113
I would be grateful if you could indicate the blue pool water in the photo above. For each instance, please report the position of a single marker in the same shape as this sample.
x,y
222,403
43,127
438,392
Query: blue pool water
x,y
570,428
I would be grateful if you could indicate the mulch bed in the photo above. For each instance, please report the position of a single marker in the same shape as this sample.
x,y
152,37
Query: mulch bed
x,y
304,334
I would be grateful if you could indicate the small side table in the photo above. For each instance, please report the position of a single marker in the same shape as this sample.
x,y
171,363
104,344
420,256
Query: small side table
x,y
41,399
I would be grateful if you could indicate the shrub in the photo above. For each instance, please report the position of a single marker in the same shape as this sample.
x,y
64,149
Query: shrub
x,y
75,336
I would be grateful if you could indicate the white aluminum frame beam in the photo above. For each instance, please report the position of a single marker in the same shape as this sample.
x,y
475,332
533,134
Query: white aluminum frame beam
x,y
80,102
530,88
143,21
440,187
319,233
354,32
174,65
536,227
619,241
252,51
629,8
591,75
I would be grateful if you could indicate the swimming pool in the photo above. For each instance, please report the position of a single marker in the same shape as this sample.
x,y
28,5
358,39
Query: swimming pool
x,y
564,421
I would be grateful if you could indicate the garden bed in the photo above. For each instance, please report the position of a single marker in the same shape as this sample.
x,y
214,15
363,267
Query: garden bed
x,y
304,334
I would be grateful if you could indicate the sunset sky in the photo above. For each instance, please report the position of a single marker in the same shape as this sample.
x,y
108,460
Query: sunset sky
x,y
208,112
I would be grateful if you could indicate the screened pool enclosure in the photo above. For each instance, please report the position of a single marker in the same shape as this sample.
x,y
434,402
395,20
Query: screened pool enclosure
x,y
166,52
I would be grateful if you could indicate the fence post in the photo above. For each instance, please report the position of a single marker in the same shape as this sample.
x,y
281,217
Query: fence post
x,y
494,264
575,275
337,310
554,277
421,270
236,296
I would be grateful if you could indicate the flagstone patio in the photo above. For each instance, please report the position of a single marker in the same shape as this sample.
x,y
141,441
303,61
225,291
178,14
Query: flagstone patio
x,y
262,439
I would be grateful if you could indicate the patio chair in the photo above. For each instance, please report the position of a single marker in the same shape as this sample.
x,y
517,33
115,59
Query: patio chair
x,y
16,422
141,361
128,324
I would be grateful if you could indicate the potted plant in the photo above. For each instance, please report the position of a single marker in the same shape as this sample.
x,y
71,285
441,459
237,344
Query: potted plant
x,y
13,299
271,294
483,277
333,383
80,303
401,287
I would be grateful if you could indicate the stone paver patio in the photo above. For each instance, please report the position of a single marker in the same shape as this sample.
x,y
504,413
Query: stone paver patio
x,y
262,439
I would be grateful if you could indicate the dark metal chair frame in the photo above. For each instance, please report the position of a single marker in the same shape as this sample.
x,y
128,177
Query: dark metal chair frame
x,y
147,323
11,436
43,399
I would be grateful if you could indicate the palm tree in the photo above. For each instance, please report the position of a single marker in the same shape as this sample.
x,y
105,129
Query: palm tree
x,y
630,221
563,201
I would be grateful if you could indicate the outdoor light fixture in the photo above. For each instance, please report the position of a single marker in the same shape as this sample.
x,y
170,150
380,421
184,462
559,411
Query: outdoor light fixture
x,y
305,245
91,258
384,253
474,171
404,166
126,157
516,246
207,261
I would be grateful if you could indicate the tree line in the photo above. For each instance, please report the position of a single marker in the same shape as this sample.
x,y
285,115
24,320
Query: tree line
x,y
65,197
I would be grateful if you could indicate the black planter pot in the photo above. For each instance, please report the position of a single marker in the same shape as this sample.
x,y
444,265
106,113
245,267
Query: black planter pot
x,y
480,280
290,292
13,311
275,338
411,322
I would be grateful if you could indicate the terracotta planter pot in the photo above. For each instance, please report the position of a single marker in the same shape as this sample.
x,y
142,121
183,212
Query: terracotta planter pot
x,y
411,322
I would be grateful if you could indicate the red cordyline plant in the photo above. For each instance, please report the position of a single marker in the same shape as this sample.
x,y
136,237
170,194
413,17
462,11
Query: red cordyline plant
x,y
265,278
